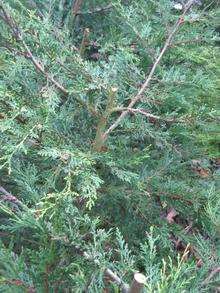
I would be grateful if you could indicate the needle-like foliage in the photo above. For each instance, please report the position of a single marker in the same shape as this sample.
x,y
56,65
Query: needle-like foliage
x,y
109,157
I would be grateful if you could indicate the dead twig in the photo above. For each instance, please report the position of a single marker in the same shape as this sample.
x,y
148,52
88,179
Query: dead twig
x,y
109,274
40,67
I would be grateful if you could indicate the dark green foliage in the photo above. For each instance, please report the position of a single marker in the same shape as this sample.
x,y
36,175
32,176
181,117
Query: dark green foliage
x,y
79,204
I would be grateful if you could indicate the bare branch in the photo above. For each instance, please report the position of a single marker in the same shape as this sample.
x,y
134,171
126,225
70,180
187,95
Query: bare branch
x,y
145,85
17,34
143,112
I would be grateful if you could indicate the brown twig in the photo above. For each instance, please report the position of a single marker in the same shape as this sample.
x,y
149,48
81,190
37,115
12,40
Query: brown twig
x,y
143,112
145,85
20,283
136,286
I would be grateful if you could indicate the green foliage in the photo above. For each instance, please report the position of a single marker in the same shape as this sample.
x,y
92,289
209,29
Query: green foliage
x,y
78,203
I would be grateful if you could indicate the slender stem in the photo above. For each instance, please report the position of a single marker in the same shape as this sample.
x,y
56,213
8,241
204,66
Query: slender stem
x,y
7,196
186,42
141,111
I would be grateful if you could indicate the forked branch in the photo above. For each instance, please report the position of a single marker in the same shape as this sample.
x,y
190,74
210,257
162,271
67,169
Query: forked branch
x,y
142,112
148,79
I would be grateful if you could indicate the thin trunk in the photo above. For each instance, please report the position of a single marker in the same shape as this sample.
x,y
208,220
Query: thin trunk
x,y
99,139
103,120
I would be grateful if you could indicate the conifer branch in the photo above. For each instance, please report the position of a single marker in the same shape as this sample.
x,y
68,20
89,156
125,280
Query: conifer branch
x,y
17,34
145,85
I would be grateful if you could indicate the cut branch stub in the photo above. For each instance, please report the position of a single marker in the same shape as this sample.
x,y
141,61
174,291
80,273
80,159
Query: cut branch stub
x,y
138,283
